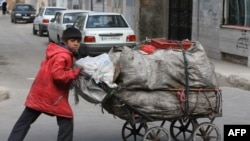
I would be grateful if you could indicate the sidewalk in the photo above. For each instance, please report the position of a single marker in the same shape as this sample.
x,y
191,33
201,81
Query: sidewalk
x,y
232,75
228,74
4,93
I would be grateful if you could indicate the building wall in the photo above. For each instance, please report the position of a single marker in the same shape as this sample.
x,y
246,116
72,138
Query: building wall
x,y
152,19
220,42
206,25
10,4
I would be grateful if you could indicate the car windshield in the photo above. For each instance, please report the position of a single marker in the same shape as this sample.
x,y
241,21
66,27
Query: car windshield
x,y
24,7
106,21
52,11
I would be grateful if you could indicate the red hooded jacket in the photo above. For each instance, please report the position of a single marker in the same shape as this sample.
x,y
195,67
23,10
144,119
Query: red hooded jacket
x,y
50,89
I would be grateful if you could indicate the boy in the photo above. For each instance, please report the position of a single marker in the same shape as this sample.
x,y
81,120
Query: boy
x,y
50,89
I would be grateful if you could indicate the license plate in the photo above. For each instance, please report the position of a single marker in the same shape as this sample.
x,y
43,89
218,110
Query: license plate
x,y
25,17
110,38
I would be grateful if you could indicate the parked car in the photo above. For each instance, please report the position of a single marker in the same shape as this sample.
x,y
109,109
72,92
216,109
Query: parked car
x,y
60,22
23,12
101,31
43,18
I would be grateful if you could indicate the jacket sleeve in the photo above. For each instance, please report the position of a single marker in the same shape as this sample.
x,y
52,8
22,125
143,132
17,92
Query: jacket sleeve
x,y
61,69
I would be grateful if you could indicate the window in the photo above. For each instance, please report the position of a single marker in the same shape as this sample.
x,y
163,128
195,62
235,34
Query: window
x,y
106,21
79,22
116,3
237,12
70,17
24,7
52,11
41,12
130,2
57,18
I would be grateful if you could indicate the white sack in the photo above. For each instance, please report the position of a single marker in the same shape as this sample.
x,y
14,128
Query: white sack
x,y
100,68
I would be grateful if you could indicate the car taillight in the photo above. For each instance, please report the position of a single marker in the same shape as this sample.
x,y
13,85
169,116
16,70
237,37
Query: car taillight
x,y
131,38
45,20
89,39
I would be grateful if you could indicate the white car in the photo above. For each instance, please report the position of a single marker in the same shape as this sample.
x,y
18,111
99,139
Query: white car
x,y
61,21
43,18
101,31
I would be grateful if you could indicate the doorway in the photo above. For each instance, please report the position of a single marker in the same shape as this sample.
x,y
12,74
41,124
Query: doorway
x,y
180,19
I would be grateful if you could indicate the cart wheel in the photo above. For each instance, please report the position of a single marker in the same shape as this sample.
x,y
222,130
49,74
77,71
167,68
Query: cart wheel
x,y
133,131
157,134
182,131
206,132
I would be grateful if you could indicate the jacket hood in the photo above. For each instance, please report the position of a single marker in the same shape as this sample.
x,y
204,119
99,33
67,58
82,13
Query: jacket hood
x,y
54,49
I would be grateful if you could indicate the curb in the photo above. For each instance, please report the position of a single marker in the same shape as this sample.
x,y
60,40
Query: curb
x,y
233,81
4,93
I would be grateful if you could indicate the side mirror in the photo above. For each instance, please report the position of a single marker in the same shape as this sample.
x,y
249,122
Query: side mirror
x,y
52,20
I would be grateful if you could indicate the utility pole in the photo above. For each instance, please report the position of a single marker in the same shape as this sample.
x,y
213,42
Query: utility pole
x,y
91,5
103,6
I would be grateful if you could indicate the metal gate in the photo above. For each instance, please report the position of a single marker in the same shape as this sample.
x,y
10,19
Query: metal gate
x,y
180,19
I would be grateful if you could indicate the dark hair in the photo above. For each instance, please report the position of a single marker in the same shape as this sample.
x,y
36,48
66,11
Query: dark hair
x,y
71,33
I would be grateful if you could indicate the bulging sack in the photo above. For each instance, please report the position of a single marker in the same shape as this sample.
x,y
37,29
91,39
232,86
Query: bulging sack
x,y
165,69
89,90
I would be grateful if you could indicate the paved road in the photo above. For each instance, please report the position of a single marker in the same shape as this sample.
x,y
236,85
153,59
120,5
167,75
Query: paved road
x,y
21,53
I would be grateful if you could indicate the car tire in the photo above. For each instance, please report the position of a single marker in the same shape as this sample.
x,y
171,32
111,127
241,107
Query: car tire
x,y
14,20
40,31
34,30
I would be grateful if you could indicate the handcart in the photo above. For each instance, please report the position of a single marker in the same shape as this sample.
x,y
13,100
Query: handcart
x,y
140,126
184,126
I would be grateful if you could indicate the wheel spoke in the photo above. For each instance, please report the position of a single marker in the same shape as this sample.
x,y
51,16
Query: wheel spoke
x,y
182,130
209,131
189,131
184,135
133,131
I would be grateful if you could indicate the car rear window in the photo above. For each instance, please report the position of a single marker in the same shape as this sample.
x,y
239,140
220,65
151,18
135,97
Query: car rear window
x,y
52,11
24,7
106,21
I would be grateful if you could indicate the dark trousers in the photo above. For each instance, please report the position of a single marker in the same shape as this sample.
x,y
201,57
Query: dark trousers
x,y
29,116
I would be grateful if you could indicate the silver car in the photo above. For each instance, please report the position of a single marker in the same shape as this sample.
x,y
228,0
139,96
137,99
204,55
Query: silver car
x,y
102,30
40,23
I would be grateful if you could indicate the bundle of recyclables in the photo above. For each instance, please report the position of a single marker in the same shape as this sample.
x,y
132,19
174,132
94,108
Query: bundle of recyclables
x,y
165,83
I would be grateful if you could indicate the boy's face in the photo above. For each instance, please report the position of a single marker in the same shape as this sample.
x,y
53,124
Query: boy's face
x,y
73,44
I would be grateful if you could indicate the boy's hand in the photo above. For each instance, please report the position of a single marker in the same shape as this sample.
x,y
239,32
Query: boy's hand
x,y
79,67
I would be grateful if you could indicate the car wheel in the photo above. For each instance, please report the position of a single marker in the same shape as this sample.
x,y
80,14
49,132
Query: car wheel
x,y
34,30
14,20
40,31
